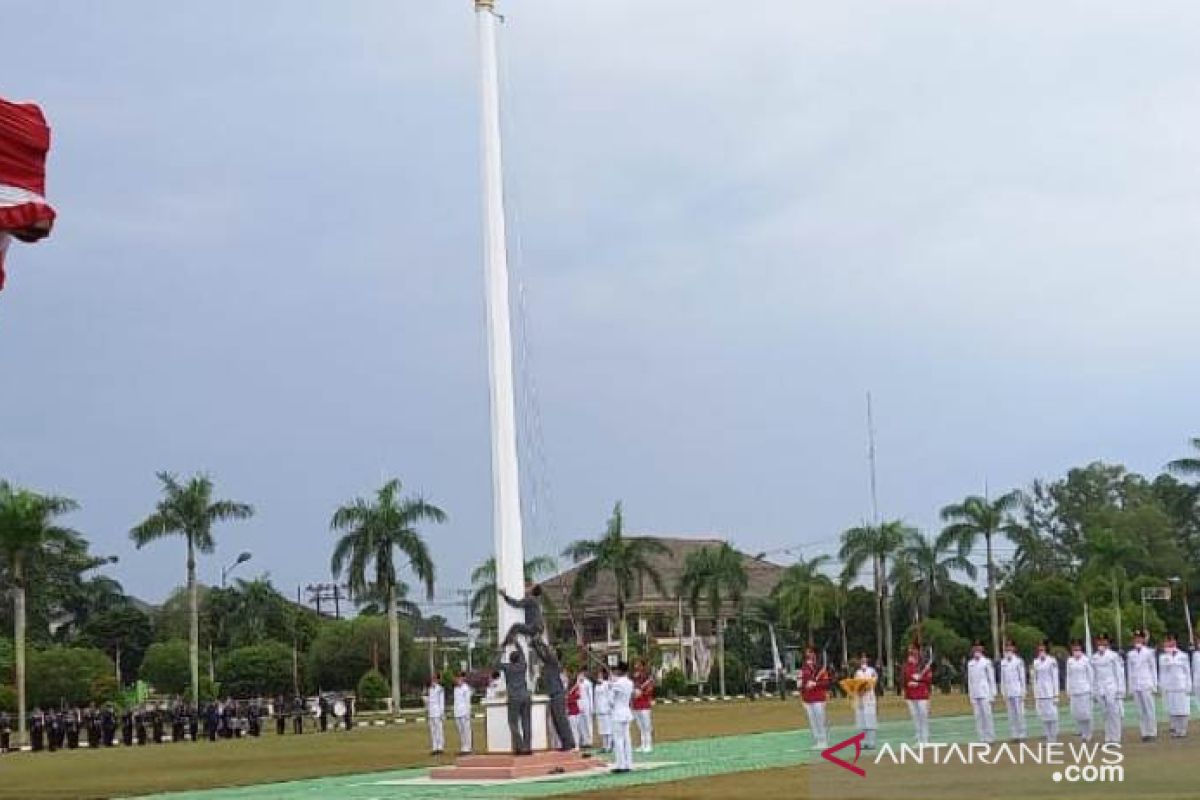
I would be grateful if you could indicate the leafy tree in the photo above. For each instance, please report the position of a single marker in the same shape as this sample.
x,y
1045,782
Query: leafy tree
x,y
948,645
484,590
717,575
260,670
123,631
1110,551
344,650
628,560
27,533
1025,637
371,533
805,595
1047,603
1189,465
923,569
876,545
61,675
166,666
188,510
975,518
371,691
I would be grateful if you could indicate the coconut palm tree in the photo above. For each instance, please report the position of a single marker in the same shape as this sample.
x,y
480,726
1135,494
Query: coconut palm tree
x,y
188,510
27,533
371,533
875,545
923,568
626,559
1189,465
977,517
805,595
718,575
482,604
1108,553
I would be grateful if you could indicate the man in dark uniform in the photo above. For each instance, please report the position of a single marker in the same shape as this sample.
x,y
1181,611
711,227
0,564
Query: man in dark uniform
x,y
54,735
552,675
323,707
254,720
298,714
280,716
156,724
349,718
74,721
37,731
91,721
520,704
108,725
177,723
212,721
191,714
139,726
534,626
5,732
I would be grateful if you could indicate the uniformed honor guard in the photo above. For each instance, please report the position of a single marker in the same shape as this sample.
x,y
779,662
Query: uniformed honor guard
x,y
814,693
127,728
1142,668
621,697
178,723
587,705
1080,686
866,717
1175,678
435,715
74,722
37,731
108,724
5,732
462,712
323,713
298,715
1013,686
1108,688
139,722
1045,689
92,721
156,724
280,716
603,706
643,705
192,713
54,727
981,686
918,680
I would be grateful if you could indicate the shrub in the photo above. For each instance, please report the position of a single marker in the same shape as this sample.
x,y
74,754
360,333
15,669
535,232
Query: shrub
x,y
65,675
372,690
674,683
166,667
258,670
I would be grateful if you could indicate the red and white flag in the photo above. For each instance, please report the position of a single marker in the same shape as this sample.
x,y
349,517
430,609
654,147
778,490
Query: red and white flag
x,y
24,142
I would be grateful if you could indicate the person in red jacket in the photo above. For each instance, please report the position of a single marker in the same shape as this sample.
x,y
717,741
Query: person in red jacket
x,y
573,709
918,678
643,701
814,691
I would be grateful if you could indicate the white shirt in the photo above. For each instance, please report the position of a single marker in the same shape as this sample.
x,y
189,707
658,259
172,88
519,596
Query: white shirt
x,y
1108,676
981,679
602,698
1012,676
462,699
621,691
586,695
1143,672
1080,678
1174,673
435,701
867,698
1045,678
1196,671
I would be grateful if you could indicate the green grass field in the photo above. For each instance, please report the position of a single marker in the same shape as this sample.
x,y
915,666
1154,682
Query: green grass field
x,y
1164,770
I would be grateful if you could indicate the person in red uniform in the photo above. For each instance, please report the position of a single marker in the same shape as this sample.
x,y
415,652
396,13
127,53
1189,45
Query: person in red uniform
x,y
814,692
643,701
918,678
573,710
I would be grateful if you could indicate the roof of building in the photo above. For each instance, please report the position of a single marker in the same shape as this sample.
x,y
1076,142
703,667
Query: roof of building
x,y
761,577
427,628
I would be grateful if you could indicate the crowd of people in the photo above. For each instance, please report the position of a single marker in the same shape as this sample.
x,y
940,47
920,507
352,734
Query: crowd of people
x,y
158,723
1096,685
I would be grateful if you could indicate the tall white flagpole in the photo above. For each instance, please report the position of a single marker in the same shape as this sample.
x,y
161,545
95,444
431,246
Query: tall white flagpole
x,y
506,501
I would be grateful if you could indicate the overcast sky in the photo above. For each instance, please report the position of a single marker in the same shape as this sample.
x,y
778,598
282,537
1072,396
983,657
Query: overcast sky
x,y
730,221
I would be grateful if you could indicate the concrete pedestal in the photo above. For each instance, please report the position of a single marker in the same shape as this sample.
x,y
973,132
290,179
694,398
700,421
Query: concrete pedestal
x,y
496,717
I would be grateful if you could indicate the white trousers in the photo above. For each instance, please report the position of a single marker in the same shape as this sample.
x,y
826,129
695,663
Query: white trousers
x,y
645,731
464,733
605,724
817,724
1177,711
985,728
919,710
622,745
866,720
1016,717
1110,707
583,734
1081,712
1147,713
437,734
1047,709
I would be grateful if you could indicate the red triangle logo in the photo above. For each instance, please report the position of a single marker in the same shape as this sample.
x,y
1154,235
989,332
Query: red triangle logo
x,y
857,740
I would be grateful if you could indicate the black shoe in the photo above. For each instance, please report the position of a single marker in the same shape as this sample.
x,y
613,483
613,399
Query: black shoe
x,y
619,771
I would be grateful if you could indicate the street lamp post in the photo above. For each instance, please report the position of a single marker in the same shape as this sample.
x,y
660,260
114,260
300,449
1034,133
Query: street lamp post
x,y
242,558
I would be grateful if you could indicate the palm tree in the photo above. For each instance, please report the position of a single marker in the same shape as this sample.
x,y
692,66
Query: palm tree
x,y
1108,553
188,510
27,532
805,595
717,574
627,560
372,532
876,545
974,517
923,569
482,604
1188,465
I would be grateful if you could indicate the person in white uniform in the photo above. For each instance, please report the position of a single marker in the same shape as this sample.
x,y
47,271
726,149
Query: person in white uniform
x,y
621,692
1080,685
981,687
602,703
1045,689
1196,669
1108,687
1142,679
462,712
1175,678
435,713
1013,687
866,718
587,704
